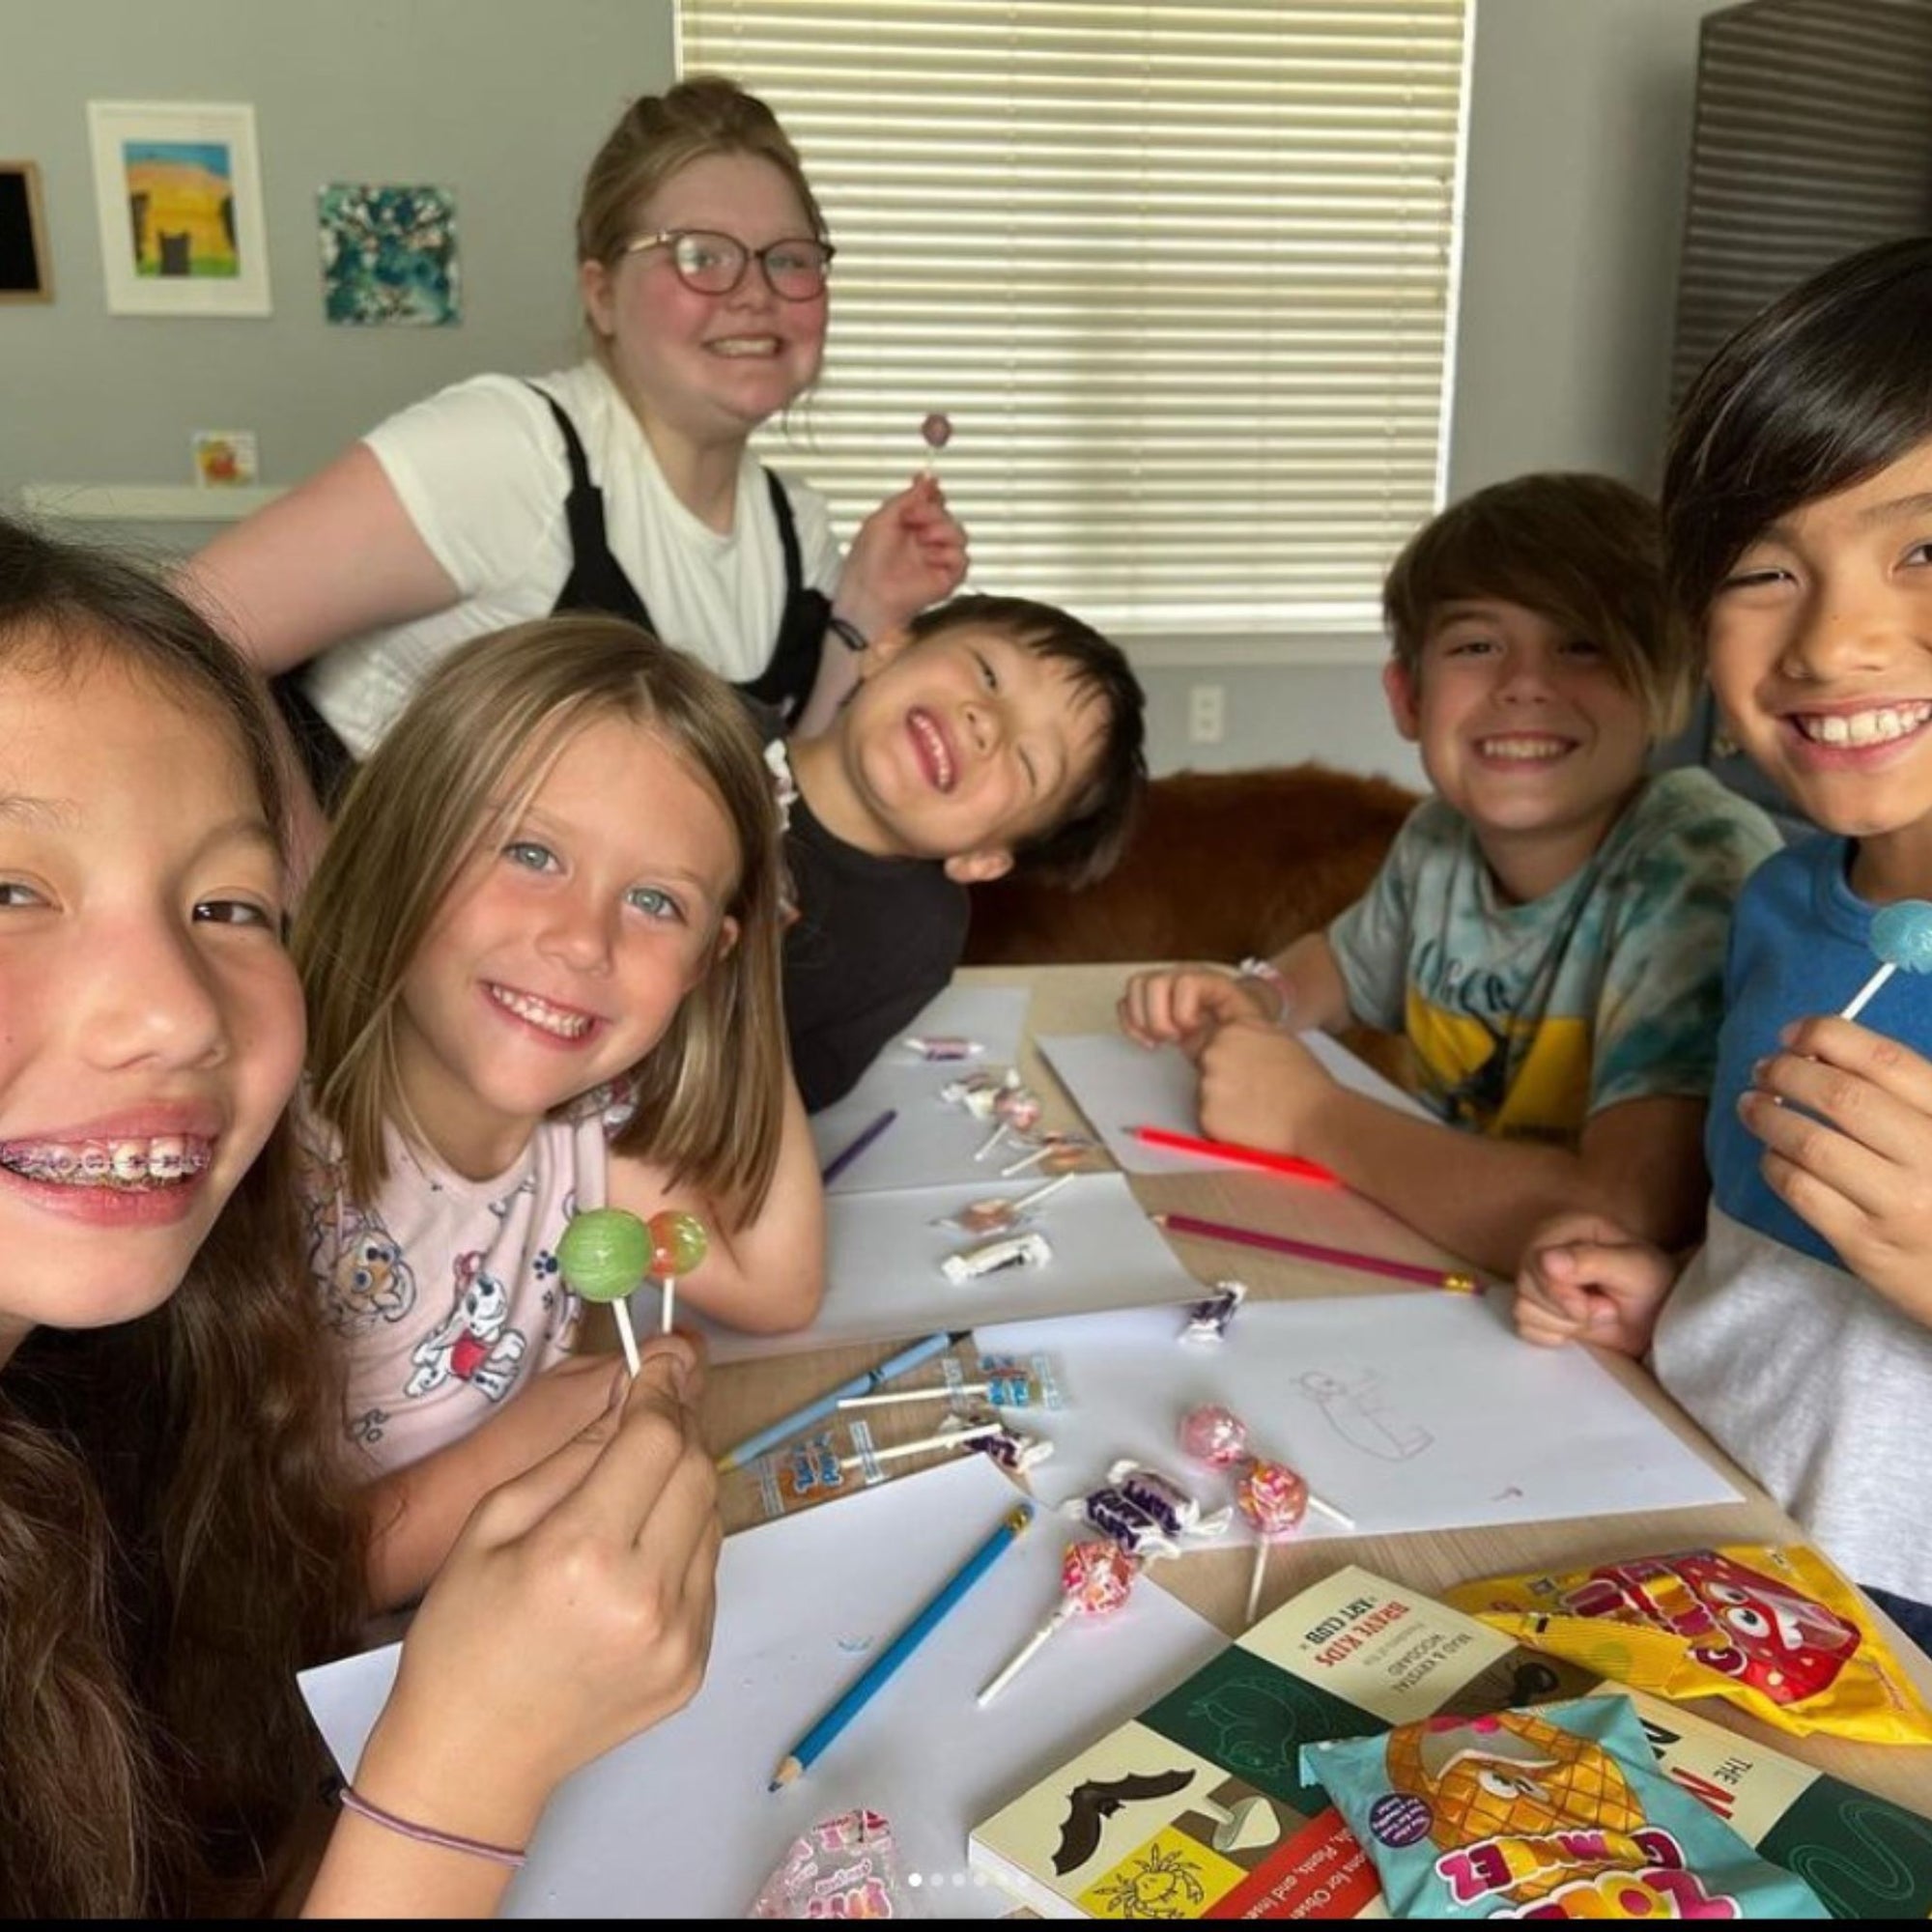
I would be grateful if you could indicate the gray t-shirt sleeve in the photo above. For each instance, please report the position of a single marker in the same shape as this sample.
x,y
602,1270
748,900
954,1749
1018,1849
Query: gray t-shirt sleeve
x,y
1371,938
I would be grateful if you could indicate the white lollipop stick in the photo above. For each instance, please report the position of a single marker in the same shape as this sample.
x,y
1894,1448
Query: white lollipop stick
x,y
670,1296
942,1392
1856,1004
1027,1160
951,1442
1255,1580
1039,1194
1329,1510
1025,1654
625,1335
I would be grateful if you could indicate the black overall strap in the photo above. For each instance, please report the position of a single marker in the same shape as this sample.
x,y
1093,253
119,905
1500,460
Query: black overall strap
x,y
596,580
786,681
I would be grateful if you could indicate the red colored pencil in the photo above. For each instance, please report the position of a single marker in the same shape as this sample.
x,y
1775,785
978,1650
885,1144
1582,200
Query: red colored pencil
x,y
1246,1157
1283,1245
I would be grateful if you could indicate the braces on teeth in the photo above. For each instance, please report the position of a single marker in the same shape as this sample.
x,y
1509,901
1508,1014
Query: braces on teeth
x,y
106,1163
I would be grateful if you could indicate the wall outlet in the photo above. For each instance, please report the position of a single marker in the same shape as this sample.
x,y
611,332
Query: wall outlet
x,y
1205,714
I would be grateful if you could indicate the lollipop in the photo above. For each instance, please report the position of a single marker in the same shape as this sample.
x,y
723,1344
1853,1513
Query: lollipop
x,y
1901,935
604,1254
1274,1499
935,432
678,1243
1214,1436
994,1216
1056,1150
1017,1110
1095,1578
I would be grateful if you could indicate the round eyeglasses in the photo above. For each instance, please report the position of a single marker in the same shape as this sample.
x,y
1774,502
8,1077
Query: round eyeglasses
x,y
714,265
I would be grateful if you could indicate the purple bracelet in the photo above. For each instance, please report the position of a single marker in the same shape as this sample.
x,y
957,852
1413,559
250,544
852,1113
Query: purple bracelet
x,y
352,1800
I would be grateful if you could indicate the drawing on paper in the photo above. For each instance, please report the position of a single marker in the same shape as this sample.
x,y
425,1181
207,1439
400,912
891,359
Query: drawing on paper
x,y
1361,1415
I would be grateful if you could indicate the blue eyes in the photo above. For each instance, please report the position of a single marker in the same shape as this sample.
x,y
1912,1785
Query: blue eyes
x,y
653,902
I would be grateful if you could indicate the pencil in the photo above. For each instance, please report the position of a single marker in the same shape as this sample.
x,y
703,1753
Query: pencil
x,y
851,1152
872,1680
1452,1279
820,1406
1245,1157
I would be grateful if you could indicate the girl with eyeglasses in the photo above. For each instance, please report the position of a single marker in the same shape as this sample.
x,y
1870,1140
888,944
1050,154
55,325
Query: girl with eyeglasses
x,y
622,485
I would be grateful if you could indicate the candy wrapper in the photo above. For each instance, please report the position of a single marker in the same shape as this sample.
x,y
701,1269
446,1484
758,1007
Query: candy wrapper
x,y
1774,1629
1014,1450
842,1867
1145,1512
1207,1320
1559,1812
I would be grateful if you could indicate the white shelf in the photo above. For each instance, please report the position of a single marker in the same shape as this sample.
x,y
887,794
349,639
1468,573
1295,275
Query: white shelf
x,y
145,502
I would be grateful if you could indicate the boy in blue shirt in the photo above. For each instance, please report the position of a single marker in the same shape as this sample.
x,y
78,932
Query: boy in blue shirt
x,y
1547,930
1798,511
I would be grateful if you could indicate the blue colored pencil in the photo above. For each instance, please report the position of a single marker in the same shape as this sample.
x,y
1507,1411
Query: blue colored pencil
x,y
1014,1523
820,1406
847,1155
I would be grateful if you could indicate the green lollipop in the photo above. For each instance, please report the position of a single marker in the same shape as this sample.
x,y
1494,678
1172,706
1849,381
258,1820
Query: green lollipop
x,y
605,1252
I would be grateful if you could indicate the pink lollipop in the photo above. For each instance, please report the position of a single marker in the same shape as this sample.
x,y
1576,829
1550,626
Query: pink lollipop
x,y
1274,1499
1214,1436
1095,1578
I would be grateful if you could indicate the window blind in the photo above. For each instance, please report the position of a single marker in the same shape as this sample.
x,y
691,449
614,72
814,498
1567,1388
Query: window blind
x,y
1180,276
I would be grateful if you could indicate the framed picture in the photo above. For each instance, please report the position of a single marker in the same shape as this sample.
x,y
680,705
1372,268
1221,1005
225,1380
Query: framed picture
x,y
388,255
26,275
179,193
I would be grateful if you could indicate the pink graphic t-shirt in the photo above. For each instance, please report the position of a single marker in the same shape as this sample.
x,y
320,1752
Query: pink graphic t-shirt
x,y
445,1290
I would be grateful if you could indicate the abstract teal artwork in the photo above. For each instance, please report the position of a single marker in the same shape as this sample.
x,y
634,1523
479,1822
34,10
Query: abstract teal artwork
x,y
388,255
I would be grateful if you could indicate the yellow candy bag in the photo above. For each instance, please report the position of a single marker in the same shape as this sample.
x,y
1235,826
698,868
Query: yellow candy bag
x,y
1776,1630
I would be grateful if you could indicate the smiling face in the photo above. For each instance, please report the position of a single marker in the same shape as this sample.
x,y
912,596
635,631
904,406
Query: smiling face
x,y
1527,729
151,1023
959,747
708,368
1820,647
562,950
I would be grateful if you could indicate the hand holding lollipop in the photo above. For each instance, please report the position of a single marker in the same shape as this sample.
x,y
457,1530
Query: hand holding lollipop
x,y
603,1255
1095,1578
935,432
1901,935
678,1243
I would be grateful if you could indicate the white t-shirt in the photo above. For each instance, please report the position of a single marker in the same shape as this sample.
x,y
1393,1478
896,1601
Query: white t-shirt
x,y
481,469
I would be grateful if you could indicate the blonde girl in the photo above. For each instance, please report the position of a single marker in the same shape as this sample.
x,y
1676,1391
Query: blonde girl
x,y
541,964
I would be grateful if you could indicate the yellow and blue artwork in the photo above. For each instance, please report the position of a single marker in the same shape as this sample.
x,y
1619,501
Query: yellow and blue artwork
x,y
388,255
181,199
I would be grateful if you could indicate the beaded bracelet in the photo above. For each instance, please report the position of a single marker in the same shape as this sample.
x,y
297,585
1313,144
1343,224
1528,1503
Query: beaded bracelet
x,y
1253,968
351,1799
847,632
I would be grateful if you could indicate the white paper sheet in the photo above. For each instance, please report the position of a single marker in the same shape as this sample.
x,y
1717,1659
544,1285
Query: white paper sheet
x,y
932,1142
1117,1085
678,1823
883,1253
1406,1413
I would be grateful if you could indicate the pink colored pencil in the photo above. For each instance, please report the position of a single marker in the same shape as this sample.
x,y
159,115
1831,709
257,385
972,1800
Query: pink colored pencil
x,y
1455,1280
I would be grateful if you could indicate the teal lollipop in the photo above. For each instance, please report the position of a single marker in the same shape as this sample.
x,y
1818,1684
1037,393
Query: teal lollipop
x,y
605,1252
678,1243
1901,935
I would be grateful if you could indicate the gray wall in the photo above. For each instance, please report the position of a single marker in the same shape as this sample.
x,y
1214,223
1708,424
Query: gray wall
x,y
1578,141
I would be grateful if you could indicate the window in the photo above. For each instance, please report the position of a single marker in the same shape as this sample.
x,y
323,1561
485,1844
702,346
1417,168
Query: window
x,y
1180,276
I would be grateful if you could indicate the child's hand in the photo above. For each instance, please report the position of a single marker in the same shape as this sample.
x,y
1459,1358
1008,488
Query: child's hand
x,y
1585,1279
1845,1115
909,552
1261,1087
1186,1004
574,1611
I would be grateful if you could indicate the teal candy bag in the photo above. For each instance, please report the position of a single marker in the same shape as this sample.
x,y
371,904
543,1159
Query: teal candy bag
x,y
1556,1812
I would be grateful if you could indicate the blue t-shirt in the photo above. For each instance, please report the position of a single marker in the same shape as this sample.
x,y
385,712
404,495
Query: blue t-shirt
x,y
1800,945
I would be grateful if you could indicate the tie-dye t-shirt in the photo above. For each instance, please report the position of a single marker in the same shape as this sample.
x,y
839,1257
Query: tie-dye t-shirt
x,y
1525,1020
445,1292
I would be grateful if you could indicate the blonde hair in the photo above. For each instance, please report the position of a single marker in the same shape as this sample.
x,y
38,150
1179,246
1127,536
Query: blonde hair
x,y
660,134
458,765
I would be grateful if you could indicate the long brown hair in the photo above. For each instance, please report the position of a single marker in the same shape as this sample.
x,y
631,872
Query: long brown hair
x,y
459,764
175,1538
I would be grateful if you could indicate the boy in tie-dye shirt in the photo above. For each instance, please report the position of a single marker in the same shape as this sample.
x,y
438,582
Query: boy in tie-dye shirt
x,y
1548,931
